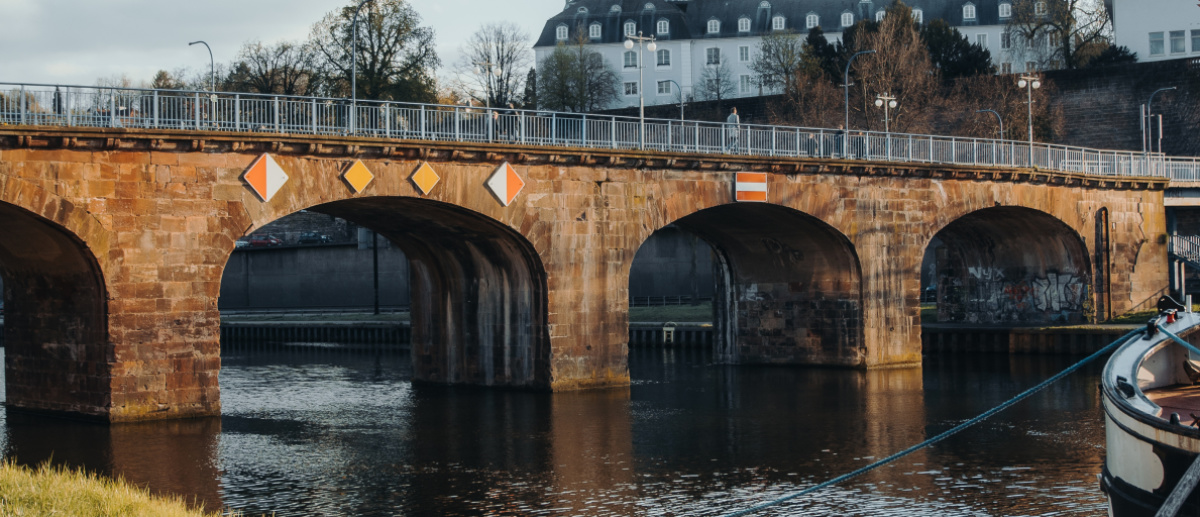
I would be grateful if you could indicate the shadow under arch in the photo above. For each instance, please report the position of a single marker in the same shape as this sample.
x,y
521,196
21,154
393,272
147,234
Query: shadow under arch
x,y
1006,265
57,356
788,286
479,295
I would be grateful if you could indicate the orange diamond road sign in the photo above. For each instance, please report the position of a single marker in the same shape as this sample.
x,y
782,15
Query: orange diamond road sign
x,y
751,186
265,177
505,184
358,176
424,178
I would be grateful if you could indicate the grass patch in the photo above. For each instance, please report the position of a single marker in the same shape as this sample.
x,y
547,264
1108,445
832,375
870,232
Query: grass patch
x,y
929,313
50,490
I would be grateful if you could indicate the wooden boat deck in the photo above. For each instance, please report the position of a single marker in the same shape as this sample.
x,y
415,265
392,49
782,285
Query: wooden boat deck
x,y
1184,400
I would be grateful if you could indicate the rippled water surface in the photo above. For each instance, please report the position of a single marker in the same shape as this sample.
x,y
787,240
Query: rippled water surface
x,y
349,434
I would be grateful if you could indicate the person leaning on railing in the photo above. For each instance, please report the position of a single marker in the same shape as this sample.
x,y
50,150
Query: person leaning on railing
x,y
732,126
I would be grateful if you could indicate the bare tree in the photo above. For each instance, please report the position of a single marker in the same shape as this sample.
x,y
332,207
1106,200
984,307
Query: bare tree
x,y
494,63
901,67
575,78
284,68
780,56
396,56
1058,33
716,83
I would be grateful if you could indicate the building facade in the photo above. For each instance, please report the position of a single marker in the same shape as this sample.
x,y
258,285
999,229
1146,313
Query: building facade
x,y
697,39
1157,29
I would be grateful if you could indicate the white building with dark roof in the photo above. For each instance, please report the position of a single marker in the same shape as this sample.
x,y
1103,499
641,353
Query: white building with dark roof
x,y
694,34
1157,29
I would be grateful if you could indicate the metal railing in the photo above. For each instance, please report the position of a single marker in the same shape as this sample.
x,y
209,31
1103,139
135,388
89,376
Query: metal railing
x,y
1186,247
92,106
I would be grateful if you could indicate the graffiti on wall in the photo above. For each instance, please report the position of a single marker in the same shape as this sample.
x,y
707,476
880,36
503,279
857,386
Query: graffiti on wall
x,y
991,296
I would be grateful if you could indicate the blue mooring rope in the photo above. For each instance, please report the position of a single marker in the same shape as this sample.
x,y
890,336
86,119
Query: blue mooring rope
x,y
1024,395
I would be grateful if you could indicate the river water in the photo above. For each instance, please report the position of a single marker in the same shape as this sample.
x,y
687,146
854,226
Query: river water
x,y
325,433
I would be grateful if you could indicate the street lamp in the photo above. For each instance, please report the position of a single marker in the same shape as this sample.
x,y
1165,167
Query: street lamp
x,y
885,101
354,65
490,70
680,88
212,67
1149,117
846,85
998,119
641,97
1029,83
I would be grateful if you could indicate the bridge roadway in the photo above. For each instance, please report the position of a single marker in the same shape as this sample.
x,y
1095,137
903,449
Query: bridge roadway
x,y
113,242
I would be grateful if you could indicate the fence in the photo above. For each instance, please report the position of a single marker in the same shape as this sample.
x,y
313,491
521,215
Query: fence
x,y
82,106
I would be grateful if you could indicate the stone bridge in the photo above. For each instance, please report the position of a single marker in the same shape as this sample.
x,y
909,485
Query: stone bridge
x,y
113,243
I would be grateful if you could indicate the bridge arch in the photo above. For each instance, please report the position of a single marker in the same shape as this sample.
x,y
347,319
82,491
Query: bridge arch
x,y
1011,265
57,354
478,288
788,286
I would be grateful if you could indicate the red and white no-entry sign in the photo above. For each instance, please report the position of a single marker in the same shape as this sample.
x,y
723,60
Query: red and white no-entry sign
x,y
751,186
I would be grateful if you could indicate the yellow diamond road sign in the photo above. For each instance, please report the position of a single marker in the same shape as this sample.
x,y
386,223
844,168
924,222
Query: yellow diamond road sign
x,y
424,178
358,176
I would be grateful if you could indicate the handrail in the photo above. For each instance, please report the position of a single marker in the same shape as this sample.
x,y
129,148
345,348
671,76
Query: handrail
x,y
101,106
1186,247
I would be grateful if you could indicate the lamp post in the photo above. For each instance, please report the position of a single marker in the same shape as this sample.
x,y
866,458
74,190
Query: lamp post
x,y
1029,83
885,101
354,66
999,147
680,88
1147,122
641,96
846,85
487,68
212,67
998,119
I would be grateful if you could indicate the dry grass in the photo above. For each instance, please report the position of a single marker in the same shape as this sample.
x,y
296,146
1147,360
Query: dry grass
x,y
50,490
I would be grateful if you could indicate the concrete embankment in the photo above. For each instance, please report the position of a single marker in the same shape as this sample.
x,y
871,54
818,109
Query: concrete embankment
x,y
1076,339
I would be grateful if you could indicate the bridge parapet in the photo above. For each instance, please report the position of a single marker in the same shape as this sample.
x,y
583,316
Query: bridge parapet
x,y
85,106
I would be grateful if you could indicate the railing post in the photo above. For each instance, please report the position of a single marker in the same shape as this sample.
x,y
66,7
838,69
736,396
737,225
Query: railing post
x,y
614,133
276,107
553,128
423,122
196,109
583,132
457,128
112,108
22,94
521,122
237,112
387,119
696,146
669,139
772,140
974,151
67,107
314,115
156,123
797,142
490,128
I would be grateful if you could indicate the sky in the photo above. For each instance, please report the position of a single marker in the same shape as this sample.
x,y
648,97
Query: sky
x,y
76,42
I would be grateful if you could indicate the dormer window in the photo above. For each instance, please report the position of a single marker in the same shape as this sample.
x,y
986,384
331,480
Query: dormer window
x,y
743,24
560,33
664,27
1006,10
918,16
764,5
648,6
714,26
630,29
778,23
594,31
879,15
847,19
812,20
614,9
969,11
1039,8
583,10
